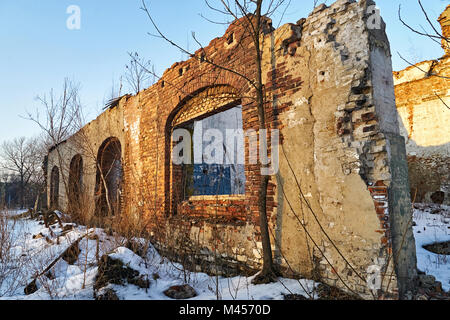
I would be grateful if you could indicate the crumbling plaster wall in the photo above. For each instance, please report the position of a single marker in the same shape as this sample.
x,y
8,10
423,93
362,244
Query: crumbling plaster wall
x,y
339,132
329,90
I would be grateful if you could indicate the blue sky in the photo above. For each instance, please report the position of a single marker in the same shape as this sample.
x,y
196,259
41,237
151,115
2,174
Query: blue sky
x,y
38,51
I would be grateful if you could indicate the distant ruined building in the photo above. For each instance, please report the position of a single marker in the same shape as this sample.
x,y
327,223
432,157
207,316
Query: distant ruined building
x,y
423,102
343,174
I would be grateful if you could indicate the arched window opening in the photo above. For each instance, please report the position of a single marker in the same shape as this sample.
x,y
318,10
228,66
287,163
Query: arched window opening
x,y
219,170
75,181
211,120
54,188
108,189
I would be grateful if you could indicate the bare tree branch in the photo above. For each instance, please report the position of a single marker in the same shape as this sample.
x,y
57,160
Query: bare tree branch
x,y
442,100
136,72
427,73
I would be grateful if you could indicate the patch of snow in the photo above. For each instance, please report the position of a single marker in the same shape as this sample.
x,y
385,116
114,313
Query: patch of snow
x,y
31,255
14,212
75,282
432,228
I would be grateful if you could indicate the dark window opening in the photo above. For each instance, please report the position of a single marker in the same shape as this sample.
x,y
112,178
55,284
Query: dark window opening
x,y
75,182
226,177
54,188
230,38
108,189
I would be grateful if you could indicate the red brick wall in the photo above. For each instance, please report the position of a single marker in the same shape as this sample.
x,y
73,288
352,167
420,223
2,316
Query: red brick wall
x,y
175,98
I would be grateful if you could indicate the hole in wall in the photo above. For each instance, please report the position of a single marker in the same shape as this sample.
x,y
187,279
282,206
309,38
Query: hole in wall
x,y
230,38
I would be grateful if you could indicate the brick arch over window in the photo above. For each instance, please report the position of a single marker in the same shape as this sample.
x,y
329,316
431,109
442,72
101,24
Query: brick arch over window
x,y
201,104
75,181
207,101
54,188
109,178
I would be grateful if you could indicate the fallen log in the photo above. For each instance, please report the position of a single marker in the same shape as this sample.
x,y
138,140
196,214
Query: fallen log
x,y
67,253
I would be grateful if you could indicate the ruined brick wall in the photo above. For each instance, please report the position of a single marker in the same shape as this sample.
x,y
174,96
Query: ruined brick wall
x,y
338,205
423,96
444,20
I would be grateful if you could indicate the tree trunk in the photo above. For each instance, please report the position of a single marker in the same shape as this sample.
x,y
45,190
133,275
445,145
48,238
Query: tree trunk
x,y
268,272
22,191
36,205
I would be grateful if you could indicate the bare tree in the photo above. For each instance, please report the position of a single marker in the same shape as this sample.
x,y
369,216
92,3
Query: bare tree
x,y
62,117
23,157
62,114
137,73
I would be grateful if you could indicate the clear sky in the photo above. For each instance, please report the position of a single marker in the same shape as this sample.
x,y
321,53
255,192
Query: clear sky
x,y
37,50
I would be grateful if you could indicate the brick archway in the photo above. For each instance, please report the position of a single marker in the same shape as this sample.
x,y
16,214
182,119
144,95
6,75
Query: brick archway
x,y
75,181
201,104
109,178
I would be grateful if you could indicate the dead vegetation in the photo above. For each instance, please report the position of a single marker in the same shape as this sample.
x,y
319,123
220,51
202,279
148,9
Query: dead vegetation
x,y
11,265
113,271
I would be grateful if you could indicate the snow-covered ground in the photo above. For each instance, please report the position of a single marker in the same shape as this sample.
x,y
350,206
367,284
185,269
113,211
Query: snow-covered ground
x,y
432,228
13,212
76,281
34,247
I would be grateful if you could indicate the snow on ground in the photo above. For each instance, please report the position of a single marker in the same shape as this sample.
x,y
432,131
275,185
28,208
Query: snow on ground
x,y
13,212
76,281
34,247
229,288
432,228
